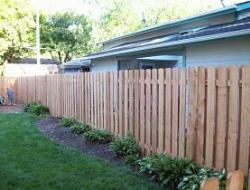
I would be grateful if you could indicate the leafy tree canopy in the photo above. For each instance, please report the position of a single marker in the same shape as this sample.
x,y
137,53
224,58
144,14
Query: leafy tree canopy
x,y
16,23
65,35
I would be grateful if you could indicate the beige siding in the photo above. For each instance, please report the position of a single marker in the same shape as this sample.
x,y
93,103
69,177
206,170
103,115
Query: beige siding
x,y
235,51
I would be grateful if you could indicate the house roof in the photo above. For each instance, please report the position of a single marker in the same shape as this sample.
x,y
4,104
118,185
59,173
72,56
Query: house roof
x,y
76,63
185,20
231,29
34,61
214,13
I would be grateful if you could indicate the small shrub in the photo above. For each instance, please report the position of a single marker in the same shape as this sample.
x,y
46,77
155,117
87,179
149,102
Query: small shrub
x,y
132,159
36,108
79,128
125,146
68,122
99,136
27,106
166,170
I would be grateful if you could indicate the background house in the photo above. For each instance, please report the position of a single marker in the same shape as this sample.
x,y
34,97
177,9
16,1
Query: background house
x,y
29,67
74,66
220,37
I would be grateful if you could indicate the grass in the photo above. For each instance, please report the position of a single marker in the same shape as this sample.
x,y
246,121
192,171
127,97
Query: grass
x,y
28,161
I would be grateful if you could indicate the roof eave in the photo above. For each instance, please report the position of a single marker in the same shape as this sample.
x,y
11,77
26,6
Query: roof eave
x,y
217,12
243,6
172,44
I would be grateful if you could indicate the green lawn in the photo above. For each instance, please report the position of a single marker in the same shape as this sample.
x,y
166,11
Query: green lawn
x,y
29,161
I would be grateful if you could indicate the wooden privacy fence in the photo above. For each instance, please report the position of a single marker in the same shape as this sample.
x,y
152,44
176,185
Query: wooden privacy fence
x,y
201,113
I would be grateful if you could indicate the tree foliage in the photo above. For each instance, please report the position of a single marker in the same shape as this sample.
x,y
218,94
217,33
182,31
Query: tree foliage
x,y
65,35
16,23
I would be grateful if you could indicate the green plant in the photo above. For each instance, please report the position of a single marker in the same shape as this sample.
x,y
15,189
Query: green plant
x,y
166,170
79,128
132,159
36,108
68,122
99,136
125,146
192,182
27,106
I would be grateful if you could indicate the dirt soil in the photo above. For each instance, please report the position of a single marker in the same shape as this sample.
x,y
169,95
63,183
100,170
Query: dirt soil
x,y
11,109
50,126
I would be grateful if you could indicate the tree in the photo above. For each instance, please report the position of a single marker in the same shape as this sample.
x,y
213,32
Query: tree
x,y
16,23
65,36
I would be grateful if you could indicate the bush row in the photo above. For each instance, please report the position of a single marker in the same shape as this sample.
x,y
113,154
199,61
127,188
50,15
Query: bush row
x,y
177,173
172,173
92,135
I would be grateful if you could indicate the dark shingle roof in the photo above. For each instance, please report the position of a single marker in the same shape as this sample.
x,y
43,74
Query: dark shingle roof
x,y
237,25
216,29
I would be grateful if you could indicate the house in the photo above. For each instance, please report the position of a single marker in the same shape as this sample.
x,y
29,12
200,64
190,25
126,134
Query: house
x,y
220,37
29,67
74,66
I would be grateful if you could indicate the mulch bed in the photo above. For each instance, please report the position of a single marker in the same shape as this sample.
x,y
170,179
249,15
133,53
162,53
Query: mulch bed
x,y
50,126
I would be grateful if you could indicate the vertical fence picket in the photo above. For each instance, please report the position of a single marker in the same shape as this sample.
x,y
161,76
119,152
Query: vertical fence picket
x,y
136,105
210,122
154,125
126,116
148,111
161,111
111,101
182,112
131,102
121,103
142,110
201,116
221,118
192,112
175,97
168,113
245,121
116,104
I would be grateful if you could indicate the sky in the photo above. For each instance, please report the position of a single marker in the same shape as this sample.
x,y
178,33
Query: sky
x,y
52,6
58,5
80,6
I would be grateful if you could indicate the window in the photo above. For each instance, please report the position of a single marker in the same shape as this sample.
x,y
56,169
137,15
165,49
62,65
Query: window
x,y
147,66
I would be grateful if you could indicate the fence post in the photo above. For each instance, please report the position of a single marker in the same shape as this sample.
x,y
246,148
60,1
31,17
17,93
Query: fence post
x,y
235,180
210,184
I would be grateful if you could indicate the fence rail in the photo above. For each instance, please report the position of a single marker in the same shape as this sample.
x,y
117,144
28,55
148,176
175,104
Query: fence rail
x,y
201,113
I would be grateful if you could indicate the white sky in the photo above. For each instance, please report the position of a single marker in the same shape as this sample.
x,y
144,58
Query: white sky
x,y
78,6
51,6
